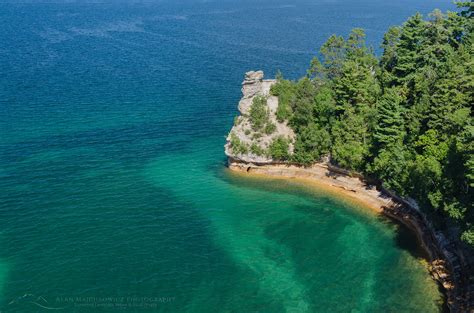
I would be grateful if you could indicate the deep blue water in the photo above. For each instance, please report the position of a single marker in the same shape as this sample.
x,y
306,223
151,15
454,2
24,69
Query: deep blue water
x,y
113,118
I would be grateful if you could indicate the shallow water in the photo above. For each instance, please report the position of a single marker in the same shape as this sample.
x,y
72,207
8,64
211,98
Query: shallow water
x,y
113,189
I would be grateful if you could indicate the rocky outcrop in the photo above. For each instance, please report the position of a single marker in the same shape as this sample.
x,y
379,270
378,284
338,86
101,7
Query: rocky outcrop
x,y
450,264
255,86
252,86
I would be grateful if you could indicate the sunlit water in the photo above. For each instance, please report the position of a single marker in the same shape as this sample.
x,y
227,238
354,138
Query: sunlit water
x,y
113,189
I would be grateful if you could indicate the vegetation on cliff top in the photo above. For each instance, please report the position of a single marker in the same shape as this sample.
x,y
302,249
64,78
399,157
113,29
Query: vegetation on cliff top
x,y
404,118
259,116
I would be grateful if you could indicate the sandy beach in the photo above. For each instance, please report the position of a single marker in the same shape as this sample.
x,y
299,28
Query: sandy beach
x,y
320,176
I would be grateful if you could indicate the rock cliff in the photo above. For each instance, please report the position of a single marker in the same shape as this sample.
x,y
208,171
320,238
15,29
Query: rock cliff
x,y
245,142
450,262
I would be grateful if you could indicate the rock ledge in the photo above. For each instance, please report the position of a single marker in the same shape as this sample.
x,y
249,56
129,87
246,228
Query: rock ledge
x,y
253,86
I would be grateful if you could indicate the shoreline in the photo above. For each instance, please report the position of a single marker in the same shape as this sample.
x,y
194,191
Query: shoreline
x,y
368,198
444,265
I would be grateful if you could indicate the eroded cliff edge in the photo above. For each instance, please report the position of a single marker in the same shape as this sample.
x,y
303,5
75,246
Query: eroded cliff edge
x,y
251,149
257,127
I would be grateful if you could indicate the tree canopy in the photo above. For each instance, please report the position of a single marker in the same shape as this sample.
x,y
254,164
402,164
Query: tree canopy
x,y
404,117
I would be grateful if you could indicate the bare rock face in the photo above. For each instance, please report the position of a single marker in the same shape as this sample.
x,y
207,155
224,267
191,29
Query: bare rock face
x,y
251,87
254,85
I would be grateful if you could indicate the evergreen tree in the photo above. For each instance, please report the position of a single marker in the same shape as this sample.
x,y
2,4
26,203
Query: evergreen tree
x,y
408,49
351,141
302,104
468,8
405,119
311,144
389,57
391,165
333,52
390,125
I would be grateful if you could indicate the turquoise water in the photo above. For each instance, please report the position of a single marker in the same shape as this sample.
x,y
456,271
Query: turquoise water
x,y
114,194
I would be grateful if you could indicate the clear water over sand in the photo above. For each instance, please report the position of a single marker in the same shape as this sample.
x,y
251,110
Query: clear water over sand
x,y
113,189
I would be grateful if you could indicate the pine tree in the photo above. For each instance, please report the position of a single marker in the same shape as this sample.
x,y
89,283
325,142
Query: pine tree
x,y
405,119
408,48
390,124
311,144
468,8
333,52
391,165
351,140
389,57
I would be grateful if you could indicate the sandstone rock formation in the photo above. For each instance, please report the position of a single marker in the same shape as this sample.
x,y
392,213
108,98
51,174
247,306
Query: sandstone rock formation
x,y
254,85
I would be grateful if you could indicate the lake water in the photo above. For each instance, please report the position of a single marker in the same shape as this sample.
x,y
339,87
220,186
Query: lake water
x,y
114,194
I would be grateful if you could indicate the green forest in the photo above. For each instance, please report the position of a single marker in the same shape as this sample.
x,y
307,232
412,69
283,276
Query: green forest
x,y
403,118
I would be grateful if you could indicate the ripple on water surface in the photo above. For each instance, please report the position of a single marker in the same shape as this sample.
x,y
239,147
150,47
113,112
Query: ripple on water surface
x,y
112,178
